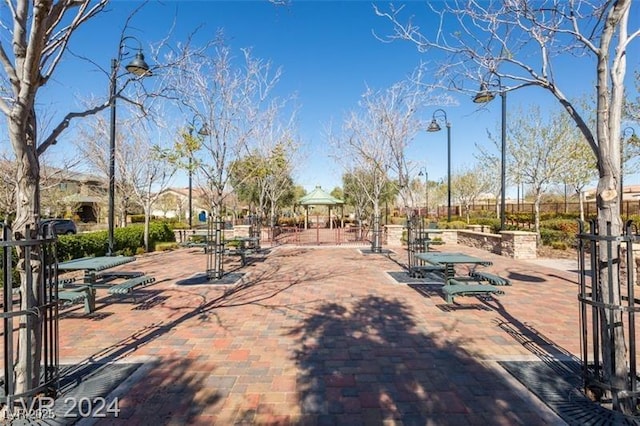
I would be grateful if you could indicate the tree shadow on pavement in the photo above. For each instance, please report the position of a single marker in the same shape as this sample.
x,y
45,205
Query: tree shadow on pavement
x,y
171,388
368,363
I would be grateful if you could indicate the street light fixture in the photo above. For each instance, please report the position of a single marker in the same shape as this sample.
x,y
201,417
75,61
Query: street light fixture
x,y
423,172
435,127
139,68
627,132
485,95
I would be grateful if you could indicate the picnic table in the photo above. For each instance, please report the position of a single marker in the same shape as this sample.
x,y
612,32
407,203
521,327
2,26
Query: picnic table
x,y
446,262
474,283
92,265
97,274
239,246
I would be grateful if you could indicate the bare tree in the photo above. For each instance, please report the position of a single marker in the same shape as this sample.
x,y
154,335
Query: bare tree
x,y
226,96
356,196
280,147
491,162
580,166
375,136
521,43
93,145
539,149
469,184
37,34
146,171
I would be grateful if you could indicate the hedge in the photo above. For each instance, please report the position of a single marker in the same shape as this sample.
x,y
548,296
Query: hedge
x,y
127,241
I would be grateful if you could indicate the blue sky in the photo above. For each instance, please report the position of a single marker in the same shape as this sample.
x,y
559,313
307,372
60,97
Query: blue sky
x,y
328,55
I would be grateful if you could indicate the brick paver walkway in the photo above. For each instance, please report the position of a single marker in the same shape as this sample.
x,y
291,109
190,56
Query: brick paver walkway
x,y
325,336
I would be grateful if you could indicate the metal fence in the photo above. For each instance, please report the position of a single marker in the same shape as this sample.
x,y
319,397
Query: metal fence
x,y
601,316
590,210
36,310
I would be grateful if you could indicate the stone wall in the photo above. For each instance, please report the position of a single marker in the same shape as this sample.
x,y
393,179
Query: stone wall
x,y
513,244
489,242
394,235
241,230
519,244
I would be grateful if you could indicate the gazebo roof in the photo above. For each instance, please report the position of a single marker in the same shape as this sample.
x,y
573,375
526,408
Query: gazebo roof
x,y
318,197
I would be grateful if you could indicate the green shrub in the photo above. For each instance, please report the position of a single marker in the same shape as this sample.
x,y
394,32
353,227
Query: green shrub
x,y
160,232
127,241
559,245
136,218
178,225
552,236
165,246
492,222
548,236
569,226
233,243
454,224
635,219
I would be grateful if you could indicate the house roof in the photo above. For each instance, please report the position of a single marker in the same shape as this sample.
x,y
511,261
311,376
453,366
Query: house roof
x,y
318,197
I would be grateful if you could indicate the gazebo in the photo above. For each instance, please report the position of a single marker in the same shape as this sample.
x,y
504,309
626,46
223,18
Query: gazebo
x,y
318,197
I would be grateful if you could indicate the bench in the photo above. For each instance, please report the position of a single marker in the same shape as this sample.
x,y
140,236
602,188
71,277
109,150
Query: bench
x,y
79,294
129,285
62,282
239,252
428,241
418,270
467,288
192,244
120,274
491,278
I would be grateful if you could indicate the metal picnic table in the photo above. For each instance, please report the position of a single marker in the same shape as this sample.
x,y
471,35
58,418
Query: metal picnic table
x,y
91,265
450,260
477,283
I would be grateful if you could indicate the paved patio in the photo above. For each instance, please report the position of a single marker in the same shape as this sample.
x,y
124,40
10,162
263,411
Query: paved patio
x,y
325,336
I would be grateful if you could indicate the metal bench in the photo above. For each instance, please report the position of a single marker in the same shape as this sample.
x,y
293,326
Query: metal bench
x,y
456,288
79,294
62,282
119,274
239,252
417,271
129,285
491,278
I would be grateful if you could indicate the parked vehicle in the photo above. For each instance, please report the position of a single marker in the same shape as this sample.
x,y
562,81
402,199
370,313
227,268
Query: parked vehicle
x,y
60,226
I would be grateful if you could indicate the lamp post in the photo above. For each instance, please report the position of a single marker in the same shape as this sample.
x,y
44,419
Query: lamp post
x,y
204,130
423,172
627,132
483,96
435,127
190,189
139,68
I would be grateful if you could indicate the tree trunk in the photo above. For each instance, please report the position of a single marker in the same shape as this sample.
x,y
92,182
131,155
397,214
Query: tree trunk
x,y
27,211
614,349
609,109
536,213
147,220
